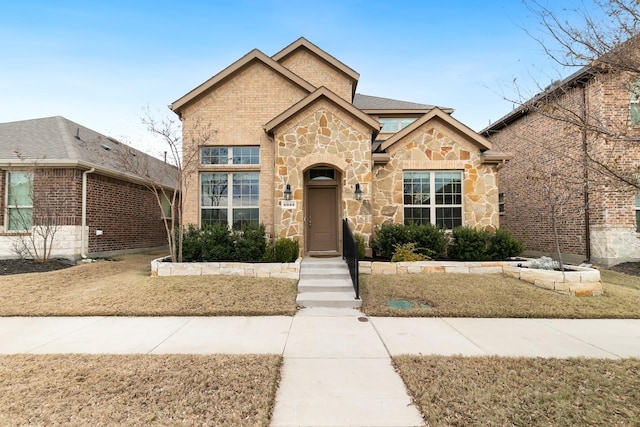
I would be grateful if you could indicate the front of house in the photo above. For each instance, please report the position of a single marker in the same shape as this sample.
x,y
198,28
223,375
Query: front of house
x,y
287,142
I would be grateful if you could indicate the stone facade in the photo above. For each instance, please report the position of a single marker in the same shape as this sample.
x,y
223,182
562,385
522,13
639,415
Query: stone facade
x,y
435,148
298,108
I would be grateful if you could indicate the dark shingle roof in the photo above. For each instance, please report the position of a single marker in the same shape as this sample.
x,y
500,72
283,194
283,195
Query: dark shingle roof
x,y
366,102
54,139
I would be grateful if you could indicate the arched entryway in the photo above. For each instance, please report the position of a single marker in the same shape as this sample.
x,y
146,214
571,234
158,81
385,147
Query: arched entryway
x,y
322,210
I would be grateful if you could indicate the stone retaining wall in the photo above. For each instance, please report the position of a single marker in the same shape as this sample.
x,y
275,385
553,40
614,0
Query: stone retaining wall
x,y
580,281
290,270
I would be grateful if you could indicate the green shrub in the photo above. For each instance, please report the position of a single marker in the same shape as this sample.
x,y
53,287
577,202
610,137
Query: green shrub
x,y
361,247
504,245
282,250
429,240
217,243
470,244
191,244
408,252
249,243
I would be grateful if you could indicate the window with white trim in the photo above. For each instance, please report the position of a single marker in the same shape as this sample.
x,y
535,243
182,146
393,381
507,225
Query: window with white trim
x,y
231,198
637,209
634,104
19,201
230,155
394,124
433,197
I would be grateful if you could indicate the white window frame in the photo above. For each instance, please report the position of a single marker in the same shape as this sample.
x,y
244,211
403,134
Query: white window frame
x,y
634,104
431,204
233,156
400,123
12,206
229,206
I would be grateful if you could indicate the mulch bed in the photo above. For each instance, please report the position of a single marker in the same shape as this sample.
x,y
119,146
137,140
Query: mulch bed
x,y
632,268
20,266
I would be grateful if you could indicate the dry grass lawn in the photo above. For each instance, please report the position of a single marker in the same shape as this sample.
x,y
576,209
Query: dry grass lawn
x,y
137,390
492,391
123,287
474,295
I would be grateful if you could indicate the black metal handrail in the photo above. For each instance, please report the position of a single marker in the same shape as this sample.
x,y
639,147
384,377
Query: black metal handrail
x,y
350,255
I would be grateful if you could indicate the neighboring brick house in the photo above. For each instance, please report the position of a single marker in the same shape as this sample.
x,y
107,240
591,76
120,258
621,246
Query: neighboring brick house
x,y
565,139
296,149
58,173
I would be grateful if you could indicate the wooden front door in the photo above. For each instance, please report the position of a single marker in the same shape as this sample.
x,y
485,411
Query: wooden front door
x,y
322,219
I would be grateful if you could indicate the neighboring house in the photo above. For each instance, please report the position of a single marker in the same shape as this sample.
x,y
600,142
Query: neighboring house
x,y
574,144
294,147
80,185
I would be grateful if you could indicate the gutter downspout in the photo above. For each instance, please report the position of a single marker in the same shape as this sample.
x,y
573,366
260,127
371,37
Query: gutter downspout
x,y
83,233
585,185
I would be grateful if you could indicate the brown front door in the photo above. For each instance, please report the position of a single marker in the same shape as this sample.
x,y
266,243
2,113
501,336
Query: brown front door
x,y
322,221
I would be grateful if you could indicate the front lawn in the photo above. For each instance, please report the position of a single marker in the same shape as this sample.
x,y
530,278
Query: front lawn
x,y
501,391
124,287
476,295
140,390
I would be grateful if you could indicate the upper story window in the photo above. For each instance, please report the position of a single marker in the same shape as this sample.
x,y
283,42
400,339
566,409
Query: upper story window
x,y
230,155
433,197
394,124
634,103
19,201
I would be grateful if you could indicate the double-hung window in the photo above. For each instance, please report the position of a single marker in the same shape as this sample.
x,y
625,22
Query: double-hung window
x,y
19,201
433,197
230,197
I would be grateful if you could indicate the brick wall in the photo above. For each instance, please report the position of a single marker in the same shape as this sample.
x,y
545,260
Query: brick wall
x,y
57,196
236,111
319,73
128,215
548,145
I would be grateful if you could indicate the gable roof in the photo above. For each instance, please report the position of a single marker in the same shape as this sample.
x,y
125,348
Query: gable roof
x,y
322,92
59,142
378,105
579,77
303,43
222,76
437,113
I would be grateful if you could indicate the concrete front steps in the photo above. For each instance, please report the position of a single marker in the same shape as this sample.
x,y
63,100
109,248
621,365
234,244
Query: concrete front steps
x,y
326,283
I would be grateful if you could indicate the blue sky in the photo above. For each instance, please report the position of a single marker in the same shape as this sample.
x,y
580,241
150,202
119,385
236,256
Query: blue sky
x,y
100,63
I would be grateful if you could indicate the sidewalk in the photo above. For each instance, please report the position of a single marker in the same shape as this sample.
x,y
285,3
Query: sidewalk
x,y
337,368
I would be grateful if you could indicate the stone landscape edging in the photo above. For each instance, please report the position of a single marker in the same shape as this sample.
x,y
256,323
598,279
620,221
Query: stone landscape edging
x,y
579,281
287,270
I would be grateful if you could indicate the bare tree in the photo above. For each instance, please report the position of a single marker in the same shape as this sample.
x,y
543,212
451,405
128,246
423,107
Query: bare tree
x,y
170,191
603,42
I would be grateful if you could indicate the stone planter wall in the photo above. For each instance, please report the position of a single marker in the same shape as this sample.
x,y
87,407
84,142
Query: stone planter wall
x,y
581,281
290,270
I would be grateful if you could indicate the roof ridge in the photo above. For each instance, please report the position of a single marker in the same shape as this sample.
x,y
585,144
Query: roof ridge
x,y
69,145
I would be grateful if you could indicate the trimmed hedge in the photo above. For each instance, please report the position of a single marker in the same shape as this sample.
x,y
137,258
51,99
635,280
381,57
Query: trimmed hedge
x,y
463,244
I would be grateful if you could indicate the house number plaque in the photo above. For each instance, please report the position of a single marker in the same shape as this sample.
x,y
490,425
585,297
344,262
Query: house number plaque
x,y
288,204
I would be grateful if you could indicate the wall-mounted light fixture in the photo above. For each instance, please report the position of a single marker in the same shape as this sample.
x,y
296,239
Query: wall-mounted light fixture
x,y
287,192
358,192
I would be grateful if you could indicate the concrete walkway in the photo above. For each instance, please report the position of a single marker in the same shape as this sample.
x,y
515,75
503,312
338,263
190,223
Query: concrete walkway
x,y
337,368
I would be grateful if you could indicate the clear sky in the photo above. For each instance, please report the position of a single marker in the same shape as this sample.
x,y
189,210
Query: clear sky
x,y
101,62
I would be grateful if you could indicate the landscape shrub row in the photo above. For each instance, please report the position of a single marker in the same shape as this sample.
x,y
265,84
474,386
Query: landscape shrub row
x,y
400,242
216,242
